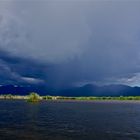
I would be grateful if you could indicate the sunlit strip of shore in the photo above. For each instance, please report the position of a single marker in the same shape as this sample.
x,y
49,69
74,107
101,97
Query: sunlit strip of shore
x,y
47,97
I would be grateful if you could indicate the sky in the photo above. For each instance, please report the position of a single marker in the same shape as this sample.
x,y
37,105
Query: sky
x,y
63,43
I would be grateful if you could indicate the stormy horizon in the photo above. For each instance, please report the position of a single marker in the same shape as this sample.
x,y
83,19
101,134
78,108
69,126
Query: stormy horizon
x,y
69,43
70,69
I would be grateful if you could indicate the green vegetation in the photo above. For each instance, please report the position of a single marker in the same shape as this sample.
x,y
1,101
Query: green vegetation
x,y
33,97
8,96
92,98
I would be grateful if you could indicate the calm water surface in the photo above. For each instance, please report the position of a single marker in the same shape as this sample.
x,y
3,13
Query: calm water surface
x,y
69,120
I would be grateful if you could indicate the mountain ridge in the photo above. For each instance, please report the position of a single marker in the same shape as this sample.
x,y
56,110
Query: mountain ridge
x,y
86,90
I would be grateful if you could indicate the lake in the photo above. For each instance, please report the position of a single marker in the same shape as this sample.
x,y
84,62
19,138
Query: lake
x,y
69,120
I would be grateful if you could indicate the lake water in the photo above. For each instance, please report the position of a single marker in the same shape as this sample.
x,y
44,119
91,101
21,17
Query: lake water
x,y
69,120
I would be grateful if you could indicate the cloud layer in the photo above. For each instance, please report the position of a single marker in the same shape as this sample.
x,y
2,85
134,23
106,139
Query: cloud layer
x,y
72,42
46,31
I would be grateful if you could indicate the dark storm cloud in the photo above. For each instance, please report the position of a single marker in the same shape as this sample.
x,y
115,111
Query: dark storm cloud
x,y
16,70
71,42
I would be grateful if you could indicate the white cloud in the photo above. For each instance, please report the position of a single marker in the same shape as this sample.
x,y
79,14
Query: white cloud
x,y
32,80
133,80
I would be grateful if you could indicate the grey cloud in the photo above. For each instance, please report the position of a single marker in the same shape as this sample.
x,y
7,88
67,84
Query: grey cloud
x,y
16,70
74,41
55,31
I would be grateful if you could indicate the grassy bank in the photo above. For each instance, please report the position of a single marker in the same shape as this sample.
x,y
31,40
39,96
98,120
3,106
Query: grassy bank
x,y
92,98
34,97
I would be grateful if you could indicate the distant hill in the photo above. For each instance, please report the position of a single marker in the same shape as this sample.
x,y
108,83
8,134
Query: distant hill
x,y
22,90
109,90
87,90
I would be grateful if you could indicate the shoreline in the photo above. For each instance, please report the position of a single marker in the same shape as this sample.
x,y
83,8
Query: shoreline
x,y
64,98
